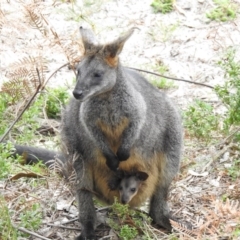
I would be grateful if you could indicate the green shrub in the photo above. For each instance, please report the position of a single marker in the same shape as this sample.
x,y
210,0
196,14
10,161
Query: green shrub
x,y
229,92
224,11
200,120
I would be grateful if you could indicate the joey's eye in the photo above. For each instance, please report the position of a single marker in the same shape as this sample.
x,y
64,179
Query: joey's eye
x,y
120,188
133,189
97,75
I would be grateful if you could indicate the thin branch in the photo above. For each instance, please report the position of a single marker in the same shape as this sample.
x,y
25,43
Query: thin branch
x,y
229,137
172,78
45,83
70,221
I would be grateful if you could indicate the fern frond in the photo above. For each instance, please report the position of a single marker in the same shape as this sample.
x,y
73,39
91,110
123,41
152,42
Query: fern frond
x,y
16,89
229,209
23,77
72,49
179,227
36,19
1,19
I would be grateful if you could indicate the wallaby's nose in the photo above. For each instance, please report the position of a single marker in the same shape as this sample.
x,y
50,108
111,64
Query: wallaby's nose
x,y
77,93
124,201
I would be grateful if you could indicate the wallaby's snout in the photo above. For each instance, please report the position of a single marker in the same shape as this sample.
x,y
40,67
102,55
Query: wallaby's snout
x,y
77,94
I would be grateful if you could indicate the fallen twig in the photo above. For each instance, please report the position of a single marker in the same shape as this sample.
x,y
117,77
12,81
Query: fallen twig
x,y
65,227
31,233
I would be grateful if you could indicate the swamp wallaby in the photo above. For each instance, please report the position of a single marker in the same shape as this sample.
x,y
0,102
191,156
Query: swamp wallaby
x,y
118,120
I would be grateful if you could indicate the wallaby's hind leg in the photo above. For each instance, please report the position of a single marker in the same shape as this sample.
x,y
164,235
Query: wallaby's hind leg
x,y
84,189
159,210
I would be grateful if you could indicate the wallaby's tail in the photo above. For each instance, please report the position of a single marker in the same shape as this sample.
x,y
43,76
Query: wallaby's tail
x,y
52,159
34,154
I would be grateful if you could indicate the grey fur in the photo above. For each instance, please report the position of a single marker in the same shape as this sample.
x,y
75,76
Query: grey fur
x,y
109,92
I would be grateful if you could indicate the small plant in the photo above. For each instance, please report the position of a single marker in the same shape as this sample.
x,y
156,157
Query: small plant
x,y
236,232
7,231
4,118
161,82
224,11
229,92
32,217
56,98
6,161
233,171
163,6
127,222
127,232
200,120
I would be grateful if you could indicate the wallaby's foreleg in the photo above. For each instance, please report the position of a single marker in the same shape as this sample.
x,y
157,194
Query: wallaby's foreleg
x,y
129,136
111,158
84,189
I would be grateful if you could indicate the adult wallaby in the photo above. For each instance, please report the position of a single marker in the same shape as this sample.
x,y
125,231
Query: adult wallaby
x,y
118,120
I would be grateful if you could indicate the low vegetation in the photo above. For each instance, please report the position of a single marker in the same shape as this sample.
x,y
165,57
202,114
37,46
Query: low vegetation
x,y
163,6
225,10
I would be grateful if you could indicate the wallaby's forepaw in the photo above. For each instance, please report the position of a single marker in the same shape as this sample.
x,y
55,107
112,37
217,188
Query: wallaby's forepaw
x,y
123,154
112,162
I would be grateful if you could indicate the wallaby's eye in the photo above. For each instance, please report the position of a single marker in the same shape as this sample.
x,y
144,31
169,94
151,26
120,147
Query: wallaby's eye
x,y
133,190
97,75
120,188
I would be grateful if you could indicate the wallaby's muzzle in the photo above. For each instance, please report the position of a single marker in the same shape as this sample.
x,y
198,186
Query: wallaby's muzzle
x,y
78,94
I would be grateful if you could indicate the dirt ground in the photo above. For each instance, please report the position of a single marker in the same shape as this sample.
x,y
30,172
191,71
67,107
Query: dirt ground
x,y
185,41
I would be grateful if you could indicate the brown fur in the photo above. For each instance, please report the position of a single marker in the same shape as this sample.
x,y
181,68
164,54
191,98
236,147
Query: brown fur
x,y
112,61
102,175
113,135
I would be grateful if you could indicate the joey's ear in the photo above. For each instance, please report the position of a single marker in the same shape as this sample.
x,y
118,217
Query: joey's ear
x,y
89,41
112,50
142,176
120,173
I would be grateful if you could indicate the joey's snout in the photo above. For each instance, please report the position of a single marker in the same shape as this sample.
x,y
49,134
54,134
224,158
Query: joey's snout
x,y
77,94
124,201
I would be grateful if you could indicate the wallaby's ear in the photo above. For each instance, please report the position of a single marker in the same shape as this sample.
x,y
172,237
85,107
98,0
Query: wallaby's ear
x,y
142,176
89,41
112,50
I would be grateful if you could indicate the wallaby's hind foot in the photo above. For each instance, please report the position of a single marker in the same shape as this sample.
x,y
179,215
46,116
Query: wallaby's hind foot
x,y
87,233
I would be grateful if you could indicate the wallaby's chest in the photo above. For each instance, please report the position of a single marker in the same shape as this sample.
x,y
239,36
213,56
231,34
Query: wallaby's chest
x,y
108,116
113,130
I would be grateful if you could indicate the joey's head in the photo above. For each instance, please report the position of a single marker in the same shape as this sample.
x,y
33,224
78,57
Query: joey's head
x,y
97,72
130,185
127,183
